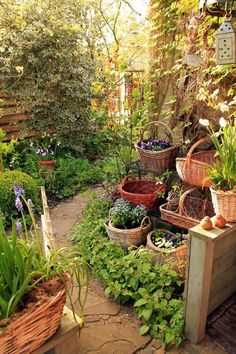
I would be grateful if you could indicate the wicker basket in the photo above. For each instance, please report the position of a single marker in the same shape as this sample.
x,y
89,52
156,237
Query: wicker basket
x,y
178,255
128,237
32,329
187,211
224,203
157,161
138,191
193,168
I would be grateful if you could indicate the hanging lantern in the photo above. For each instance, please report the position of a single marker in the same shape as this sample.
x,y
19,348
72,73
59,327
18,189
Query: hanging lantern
x,y
225,44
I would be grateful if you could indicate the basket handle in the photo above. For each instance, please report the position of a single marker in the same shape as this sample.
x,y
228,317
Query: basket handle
x,y
199,142
182,199
156,123
128,178
146,219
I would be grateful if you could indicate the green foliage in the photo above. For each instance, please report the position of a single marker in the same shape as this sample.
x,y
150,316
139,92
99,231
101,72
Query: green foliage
x,y
153,289
72,174
47,67
7,197
123,215
24,264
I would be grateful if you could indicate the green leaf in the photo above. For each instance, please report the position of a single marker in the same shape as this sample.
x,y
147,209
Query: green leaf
x,y
146,313
140,302
143,329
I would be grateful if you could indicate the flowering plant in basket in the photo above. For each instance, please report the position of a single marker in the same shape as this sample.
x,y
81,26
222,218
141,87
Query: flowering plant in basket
x,y
27,273
124,216
223,172
154,145
166,241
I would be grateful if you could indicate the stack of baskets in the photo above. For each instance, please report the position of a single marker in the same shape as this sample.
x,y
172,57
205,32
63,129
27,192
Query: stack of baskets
x,y
187,211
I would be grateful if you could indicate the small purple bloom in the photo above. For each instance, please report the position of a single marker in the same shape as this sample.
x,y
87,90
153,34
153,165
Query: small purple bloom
x,y
18,226
18,190
143,145
18,204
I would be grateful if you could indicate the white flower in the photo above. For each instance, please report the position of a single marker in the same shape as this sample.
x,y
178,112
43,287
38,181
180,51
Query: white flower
x,y
204,122
223,122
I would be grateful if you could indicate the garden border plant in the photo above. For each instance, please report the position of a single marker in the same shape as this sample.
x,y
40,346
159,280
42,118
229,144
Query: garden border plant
x,y
154,290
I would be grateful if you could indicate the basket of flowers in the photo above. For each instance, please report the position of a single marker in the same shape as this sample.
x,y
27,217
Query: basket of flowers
x,y
128,225
167,246
140,191
157,155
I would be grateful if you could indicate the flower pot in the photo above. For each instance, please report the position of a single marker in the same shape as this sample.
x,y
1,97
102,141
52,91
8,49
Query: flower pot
x,y
47,164
224,203
36,324
160,255
128,237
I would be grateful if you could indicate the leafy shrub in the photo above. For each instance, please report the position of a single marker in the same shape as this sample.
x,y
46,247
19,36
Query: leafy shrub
x,y
133,278
72,174
123,215
7,196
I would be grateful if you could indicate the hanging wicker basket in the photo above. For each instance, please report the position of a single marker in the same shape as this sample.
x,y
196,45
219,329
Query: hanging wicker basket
x,y
224,203
160,255
157,161
128,237
187,211
29,331
138,191
193,168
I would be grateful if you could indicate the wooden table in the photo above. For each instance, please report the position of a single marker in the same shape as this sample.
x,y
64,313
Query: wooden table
x,y
65,340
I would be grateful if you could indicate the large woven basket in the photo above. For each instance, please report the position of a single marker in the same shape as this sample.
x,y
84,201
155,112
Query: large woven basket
x,y
193,168
28,332
224,203
138,191
128,237
157,161
178,255
187,211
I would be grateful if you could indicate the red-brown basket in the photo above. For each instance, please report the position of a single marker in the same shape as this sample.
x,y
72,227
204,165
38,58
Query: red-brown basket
x,y
138,191
193,168
157,161
187,211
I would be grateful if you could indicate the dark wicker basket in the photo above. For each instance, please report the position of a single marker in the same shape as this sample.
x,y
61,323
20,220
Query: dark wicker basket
x,y
187,211
138,191
157,161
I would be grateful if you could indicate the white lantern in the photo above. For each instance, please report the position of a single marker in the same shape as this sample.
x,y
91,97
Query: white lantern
x,y
225,39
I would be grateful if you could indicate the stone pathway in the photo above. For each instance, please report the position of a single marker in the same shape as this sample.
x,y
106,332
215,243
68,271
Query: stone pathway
x,y
109,327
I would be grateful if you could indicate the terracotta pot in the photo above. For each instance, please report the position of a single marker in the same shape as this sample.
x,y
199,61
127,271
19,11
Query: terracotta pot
x,y
49,165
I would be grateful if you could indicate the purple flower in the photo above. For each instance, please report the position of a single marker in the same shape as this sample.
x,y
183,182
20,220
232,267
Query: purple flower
x,y
18,226
18,190
18,204
143,145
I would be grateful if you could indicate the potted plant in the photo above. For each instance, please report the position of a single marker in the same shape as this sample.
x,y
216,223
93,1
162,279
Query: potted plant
x,y
167,246
223,172
33,285
46,158
127,224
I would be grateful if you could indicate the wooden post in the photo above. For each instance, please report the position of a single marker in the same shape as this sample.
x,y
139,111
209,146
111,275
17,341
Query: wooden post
x,y
211,253
48,241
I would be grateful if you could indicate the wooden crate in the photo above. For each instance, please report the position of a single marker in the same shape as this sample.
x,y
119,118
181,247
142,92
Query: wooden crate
x,y
211,276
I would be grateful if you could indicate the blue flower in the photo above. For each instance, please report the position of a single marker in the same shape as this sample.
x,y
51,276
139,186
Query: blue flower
x,y
18,190
18,204
18,226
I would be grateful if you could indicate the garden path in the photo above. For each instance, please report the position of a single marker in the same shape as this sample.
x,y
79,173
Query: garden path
x,y
110,328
